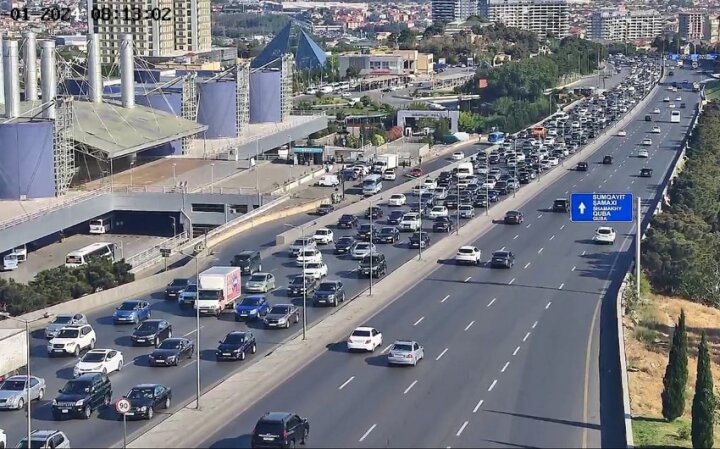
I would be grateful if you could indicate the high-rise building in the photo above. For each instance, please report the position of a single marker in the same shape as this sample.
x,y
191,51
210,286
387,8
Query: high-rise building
x,y
619,25
542,17
160,28
446,11
697,26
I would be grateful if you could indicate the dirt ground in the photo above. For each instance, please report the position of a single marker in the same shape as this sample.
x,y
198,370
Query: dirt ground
x,y
647,345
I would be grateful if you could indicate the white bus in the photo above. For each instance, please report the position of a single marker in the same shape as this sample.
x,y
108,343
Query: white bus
x,y
14,258
81,256
372,184
675,117
101,225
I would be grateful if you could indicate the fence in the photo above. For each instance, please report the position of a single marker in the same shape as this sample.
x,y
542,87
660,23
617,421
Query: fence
x,y
141,260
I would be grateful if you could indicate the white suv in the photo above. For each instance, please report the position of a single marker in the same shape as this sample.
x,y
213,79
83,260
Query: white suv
x,y
410,222
72,339
468,254
323,236
604,234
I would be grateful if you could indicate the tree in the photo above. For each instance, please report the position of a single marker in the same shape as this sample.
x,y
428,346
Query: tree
x,y
442,128
366,100
352,72
703,407
676,373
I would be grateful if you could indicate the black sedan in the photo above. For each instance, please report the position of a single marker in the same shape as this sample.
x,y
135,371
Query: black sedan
x,y
502,259
171,351
581,166
443,224
344,244
365,232
607,160
177,286
646,172
374,212
298,286
387,234
513,217
146,398
395,217
151,332
236,345
347,221
325,209
419,240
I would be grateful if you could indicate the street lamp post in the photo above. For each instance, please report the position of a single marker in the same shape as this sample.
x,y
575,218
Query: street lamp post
x,y
174,173
197,251
28,347
421,225
302,236
212,177
457,228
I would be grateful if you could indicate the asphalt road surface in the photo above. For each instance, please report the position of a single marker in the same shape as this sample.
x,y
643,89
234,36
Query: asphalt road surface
x,y
511,356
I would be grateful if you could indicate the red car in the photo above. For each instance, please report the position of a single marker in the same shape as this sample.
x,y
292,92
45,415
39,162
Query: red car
x,y
416,172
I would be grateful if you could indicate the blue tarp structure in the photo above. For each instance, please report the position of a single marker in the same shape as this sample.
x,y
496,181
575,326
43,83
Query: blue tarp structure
x,y
308,54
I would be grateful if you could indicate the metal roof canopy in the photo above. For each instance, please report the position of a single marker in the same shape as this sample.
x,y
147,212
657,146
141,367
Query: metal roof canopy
x,y
116,131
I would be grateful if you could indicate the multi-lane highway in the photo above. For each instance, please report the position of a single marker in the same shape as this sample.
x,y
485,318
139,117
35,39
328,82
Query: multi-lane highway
x,y
512,356
103,430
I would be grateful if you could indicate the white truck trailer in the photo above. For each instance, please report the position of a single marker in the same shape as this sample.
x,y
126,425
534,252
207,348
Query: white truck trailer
x,y
386,161
13,352
218,289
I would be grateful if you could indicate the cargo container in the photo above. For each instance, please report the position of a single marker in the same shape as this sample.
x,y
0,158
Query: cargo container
x,y
218,289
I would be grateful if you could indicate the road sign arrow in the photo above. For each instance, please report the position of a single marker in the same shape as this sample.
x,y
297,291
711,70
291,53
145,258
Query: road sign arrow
x,y
582,208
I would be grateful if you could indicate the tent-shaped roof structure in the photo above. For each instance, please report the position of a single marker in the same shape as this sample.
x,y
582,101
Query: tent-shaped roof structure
x,y
308,55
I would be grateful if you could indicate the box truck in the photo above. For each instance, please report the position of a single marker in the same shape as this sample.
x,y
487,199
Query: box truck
x,y
385,161
13,352
218,289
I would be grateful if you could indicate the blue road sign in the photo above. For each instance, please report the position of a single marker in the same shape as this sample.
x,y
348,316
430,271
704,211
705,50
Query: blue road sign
x,y
601,207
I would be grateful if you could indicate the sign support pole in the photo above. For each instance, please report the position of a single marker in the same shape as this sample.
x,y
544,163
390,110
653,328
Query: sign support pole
x,y
124,431
638,239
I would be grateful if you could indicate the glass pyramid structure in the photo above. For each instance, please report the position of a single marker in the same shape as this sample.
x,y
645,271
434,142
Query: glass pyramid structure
x,y
308,54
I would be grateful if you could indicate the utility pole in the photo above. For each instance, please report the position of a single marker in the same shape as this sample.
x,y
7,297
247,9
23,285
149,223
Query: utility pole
x,y
638,238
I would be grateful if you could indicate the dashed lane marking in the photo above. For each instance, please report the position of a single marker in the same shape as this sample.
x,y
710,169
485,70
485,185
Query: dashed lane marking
x,y
516,350
410,387
505,367
540,250
468,278
534,324
492,385
491,302
441,354
514,238
346,382
419,321
573,268
469,325
386,349
561,286
445,298
511,281
365,435
547,306
562,227
527,264
526,337
459,432
477,407
552,237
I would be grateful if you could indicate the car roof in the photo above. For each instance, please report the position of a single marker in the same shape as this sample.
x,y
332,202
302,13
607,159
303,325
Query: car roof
x,y
87,376
147,386
248,252
283,305
467,247
364,328
604,227
275,416
99,351
155,320
42,433
404,342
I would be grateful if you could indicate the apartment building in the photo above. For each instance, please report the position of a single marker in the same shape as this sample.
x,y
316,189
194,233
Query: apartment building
x,y
446,11
620,25
698,26
165,28
542,17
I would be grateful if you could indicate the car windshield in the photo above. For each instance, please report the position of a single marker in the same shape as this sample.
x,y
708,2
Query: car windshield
x,y
76,387
313,266
191,288
361,333
362,246
303,254
387,230
62,320
170,344
322,232
34,444
128,306
141,393
178,282
234,339
328,286
347,217
252,301
279,310
68,333
500,254
13,385
268,428
466,251
262,277
604,231
149,326
297,281
94,357
396,196
402,347
346,240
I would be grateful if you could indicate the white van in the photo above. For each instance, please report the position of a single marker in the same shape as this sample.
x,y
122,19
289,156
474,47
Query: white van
x,y
465,170
675,117
328,181
101,225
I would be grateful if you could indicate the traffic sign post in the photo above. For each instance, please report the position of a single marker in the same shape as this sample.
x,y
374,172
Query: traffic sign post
x,y
601,207
123,406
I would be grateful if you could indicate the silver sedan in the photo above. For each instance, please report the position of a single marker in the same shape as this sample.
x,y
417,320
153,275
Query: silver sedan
x,y
14,392
405,352
260,283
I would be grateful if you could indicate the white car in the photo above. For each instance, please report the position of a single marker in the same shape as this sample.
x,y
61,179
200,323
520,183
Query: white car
x,y
397,199
489,183
390,174
362,249
410,222
553,161
71,340
458,156
656,129
3,439
643,153
419,189
666,99
656,111
430,184
468,254
309,256
316,270
622,133
604,234
324,236
364,339
646,142
311,91
438,211
678,98
671,105
99,361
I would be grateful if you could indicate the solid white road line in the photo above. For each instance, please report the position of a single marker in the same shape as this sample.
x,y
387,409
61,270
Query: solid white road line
x,y
547,306
419,321
491,302
534,324
410,387
511,281
441,354
526,337
346,382
459,432
469,325
468,278
365,435
477,407
445,298
492,385
516,350
561,286
527,265
505,367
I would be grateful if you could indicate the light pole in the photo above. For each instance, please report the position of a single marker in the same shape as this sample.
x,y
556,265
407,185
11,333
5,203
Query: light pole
x,y
174,173
132,166
302,251
457,229
28,347
197,251
421,225
212,177
372,231
515,165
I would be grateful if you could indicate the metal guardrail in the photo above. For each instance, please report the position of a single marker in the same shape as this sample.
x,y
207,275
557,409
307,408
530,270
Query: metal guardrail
x,y
138,260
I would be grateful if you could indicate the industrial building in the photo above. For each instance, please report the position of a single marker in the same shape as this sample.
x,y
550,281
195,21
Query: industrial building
x,y
542,17
446,11
621,25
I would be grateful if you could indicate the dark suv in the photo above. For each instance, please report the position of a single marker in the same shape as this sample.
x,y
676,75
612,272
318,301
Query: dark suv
x,y
280,429
82,396
561,205
177,286
375,264
249,261
329,293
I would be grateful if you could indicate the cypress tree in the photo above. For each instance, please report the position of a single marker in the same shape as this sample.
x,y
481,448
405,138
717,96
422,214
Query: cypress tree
x,y
703,407
676,373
